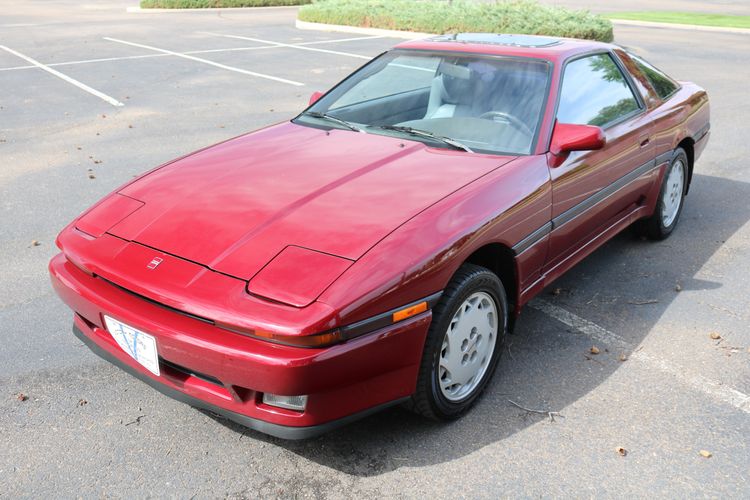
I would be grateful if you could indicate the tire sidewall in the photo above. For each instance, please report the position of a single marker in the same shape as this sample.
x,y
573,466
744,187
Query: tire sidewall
x,y
485,282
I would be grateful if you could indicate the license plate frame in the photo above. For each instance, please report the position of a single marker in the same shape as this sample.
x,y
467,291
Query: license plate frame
x,y
138,344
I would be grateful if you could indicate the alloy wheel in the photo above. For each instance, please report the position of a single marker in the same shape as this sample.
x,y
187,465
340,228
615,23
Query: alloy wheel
x,y
468,345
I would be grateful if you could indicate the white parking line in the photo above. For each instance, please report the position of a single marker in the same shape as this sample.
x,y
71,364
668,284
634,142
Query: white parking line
x,y
82,86
87,61
288,45
206,61
700,383
189,52
338,40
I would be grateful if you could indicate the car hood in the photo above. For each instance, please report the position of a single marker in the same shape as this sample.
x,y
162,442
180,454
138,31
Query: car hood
x,y
233,207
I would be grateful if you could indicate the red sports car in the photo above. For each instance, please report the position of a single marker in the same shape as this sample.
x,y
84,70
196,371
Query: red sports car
x,y
376,249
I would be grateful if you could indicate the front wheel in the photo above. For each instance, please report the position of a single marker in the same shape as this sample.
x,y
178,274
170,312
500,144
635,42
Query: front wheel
x,y
671,199
463,344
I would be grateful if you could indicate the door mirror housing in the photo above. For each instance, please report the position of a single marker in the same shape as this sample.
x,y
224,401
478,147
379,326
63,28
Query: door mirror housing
x,y
314,97
569,137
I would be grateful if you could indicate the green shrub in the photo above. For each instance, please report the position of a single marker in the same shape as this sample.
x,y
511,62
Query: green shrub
x,y
205,4
430,16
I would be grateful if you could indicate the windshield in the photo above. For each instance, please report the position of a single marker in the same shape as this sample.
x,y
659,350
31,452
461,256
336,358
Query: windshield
x,y
471,102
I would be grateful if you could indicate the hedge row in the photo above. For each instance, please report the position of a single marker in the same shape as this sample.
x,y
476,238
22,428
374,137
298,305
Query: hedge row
x,y
431,16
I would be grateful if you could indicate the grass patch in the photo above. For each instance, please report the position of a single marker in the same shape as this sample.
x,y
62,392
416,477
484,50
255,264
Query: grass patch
x,y
696,18
207,4
430,16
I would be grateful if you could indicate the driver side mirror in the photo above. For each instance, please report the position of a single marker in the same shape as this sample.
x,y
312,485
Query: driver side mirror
x,y
568,137
314,97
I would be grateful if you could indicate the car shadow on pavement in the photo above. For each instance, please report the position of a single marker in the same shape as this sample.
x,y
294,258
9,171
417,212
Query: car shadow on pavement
x,y
546,364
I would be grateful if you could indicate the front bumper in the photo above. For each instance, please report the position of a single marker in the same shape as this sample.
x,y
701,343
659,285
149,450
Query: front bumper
x,y
281,431
227,373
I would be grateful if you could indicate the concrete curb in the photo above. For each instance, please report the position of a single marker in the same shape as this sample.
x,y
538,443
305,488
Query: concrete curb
x,y
694,27
409,35
137,10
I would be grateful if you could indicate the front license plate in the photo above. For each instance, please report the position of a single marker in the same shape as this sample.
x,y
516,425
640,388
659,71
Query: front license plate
x,y
139,345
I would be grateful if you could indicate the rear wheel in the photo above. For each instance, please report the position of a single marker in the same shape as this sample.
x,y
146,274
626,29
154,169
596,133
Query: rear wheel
x,y
463,344
671,199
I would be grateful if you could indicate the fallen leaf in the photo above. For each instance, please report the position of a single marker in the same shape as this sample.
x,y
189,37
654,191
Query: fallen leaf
x,y
677,288
643,302
82,402
714,335
35,243
91,176
594,350
706,454
556,291
621,451
623,357
130,126
22,397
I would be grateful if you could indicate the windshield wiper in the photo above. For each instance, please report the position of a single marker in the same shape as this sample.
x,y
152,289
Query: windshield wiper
x,y
423,133
324,116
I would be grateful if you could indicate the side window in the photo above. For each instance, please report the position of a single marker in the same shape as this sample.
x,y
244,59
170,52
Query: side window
x,y
663,85
594,92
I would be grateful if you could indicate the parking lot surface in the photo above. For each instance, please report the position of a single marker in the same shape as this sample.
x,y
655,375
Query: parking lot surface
x,y
92,96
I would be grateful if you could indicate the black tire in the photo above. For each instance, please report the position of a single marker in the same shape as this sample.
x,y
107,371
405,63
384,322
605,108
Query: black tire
x,y
428,400
654,227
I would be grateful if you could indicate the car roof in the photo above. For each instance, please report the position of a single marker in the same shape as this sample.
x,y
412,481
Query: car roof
x,y
543,47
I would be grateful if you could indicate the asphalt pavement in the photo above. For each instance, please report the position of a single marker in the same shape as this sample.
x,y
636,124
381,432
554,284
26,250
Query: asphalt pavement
x,y
91,95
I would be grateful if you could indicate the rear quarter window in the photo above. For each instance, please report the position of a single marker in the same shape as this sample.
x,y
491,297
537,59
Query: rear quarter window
x,y
662,84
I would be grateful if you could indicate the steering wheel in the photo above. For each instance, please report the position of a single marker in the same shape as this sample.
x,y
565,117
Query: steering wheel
x,y
492,115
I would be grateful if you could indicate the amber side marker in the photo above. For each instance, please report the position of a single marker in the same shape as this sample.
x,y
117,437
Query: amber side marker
x,y
410,311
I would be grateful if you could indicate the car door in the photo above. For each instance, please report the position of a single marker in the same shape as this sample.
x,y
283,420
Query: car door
x,y
592,190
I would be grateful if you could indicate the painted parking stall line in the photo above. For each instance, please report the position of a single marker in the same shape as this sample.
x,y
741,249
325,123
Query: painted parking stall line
x,y
72,81
710,388
340,40
288,45
189,52
206,61
304,46
87,61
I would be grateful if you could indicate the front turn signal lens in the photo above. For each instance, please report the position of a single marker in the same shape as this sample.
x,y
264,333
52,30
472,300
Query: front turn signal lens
x,y
410,311
317,340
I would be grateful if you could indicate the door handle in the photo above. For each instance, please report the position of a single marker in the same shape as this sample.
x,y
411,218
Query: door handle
x,y
645,140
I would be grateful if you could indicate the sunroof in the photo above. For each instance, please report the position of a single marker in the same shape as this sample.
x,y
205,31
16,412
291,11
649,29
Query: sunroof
x,y
499,39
